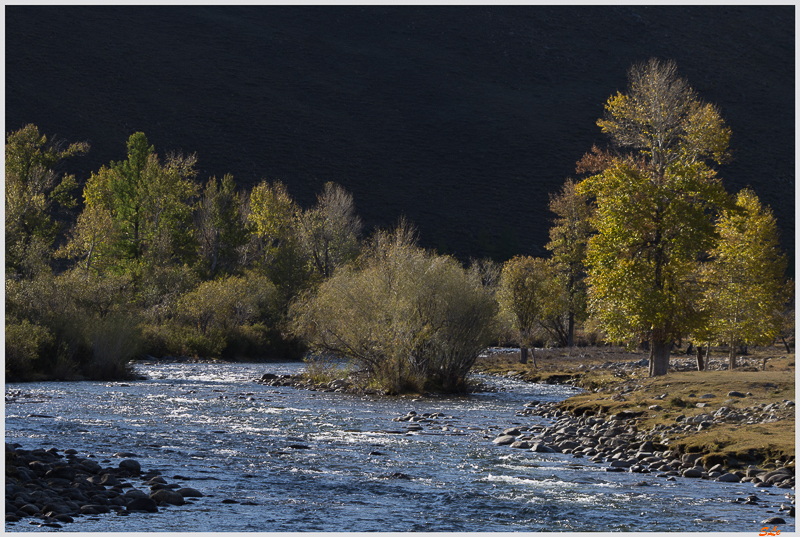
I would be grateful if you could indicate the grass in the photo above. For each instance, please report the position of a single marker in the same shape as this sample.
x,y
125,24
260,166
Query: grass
x,y
677,393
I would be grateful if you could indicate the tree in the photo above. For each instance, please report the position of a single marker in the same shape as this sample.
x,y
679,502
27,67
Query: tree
x,y
274,219
655,203
330,230
33,182
220,226
569,237
149,205
744,281
530,296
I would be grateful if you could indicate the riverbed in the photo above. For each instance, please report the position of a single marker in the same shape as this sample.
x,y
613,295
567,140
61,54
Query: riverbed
x,y
297,460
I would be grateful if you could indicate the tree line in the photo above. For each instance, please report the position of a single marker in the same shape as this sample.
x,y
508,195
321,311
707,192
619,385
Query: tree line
x,y
646,247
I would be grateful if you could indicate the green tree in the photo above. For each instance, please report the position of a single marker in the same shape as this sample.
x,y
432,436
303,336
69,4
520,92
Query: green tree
x,y
530,295
744,281
569,238
33,183
330,230
149,206
220,226
273,217
654,208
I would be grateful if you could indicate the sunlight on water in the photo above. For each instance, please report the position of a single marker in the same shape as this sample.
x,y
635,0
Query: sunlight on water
x,y
313,461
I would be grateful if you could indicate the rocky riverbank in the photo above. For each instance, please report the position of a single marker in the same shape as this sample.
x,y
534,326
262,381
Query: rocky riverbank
x,y
606,425
50,489
616,442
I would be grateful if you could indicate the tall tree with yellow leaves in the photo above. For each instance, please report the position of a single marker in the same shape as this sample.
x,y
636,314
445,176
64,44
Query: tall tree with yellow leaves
x,y
744,281
655,203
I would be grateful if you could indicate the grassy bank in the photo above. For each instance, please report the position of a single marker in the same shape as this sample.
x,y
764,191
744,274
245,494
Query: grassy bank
x,y
764,436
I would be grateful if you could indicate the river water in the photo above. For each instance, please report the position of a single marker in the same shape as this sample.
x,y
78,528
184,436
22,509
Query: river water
x,y
232,438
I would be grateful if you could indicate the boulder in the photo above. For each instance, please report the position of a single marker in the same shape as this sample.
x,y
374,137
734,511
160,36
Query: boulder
x,y
167,496
504,440
188,492
142,504
773,520
131,466
692,472
729,478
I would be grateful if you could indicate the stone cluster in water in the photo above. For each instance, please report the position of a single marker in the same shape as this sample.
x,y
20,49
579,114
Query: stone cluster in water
x,y
351,385
54,489
616,440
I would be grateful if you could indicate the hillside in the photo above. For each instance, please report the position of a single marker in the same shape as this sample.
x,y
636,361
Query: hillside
x,y
462,118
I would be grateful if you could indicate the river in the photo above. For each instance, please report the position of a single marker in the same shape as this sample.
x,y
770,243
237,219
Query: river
x,y
297,460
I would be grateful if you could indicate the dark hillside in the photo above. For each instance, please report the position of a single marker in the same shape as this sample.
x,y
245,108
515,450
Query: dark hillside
x,y
463,118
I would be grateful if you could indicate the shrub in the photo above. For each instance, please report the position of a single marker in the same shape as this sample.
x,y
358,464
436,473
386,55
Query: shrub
x,y
115,341
24,344
412,319
88,330
230,317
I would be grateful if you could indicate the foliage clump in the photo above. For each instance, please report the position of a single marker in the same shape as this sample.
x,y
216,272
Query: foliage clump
x,y
413,319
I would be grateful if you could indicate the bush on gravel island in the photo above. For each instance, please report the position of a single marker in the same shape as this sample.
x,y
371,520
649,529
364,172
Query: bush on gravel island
x,y
412,319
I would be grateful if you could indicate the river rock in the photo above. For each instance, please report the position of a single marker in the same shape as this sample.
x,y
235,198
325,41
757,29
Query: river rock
x,y
135,493
729,478
188,492
774,520
131,466
504,440
692,472
539,447
142,504
167,496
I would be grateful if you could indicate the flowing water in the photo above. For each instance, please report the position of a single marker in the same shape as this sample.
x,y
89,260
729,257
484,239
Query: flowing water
x,y
297,460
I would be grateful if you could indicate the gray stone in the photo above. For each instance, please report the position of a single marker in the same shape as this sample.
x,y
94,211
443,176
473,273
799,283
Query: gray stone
x,y
539,447
131,466
504,440
692,472
167,496
142,504
135,493
188,492
774,520
735,394
729,478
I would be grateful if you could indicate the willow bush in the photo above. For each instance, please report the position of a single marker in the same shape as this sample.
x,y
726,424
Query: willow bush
x,y
412,319
76,327
229,317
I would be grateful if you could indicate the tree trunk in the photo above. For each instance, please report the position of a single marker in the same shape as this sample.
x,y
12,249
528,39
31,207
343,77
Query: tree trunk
x,y
785,345
700,364
571,330
533,357
732,355
523,354
659,364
